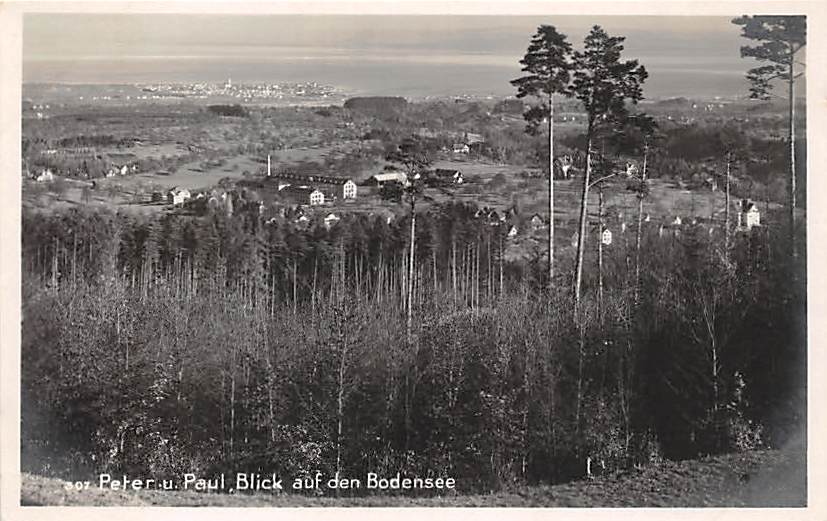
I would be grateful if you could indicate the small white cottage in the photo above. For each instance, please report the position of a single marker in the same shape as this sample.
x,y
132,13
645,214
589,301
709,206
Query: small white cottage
x,y
749,215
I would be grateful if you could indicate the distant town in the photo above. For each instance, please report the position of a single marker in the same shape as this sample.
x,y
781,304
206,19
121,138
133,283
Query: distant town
x,y
38,95
250,92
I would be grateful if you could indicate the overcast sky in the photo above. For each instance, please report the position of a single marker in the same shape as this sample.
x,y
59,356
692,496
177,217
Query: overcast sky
x,y
89,47
83,35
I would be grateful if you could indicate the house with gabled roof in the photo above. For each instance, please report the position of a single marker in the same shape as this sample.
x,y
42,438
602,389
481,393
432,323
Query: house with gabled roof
x,y
330,220
537,222
389,176
306,195
178,196
748,216
444,176
45,176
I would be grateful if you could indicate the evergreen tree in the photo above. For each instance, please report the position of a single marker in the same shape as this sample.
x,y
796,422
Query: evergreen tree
x,y
781,39
603,84
548,66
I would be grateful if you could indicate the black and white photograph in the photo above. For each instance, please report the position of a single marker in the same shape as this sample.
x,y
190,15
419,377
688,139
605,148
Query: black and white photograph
x,y
402,259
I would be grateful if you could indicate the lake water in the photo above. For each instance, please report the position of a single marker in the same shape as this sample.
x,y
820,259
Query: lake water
x,y
370,76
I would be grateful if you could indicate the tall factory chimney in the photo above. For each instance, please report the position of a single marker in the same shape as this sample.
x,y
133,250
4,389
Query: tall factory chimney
x,y
268,165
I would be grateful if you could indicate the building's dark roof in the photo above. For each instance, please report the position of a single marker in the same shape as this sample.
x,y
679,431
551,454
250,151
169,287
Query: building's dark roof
x,y
298,190
446,172
311,179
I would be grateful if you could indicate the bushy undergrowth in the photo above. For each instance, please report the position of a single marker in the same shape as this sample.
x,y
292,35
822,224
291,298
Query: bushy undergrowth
x,y
218,345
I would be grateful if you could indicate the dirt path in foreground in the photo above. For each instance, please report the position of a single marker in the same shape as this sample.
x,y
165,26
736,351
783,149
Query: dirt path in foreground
x,y
768,478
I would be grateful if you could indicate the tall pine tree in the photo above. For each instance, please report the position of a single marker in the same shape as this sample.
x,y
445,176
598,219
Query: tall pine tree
x,y
780,38
548,66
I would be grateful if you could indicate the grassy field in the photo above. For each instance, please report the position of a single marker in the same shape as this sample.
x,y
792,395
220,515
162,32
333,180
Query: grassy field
x,y
767,478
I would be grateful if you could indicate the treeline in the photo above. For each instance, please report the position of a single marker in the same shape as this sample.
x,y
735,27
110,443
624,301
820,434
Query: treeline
x,y
229,110
157,346
379,105
94,141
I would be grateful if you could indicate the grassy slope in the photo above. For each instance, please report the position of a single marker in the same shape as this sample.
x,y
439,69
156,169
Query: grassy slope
x,y
752,479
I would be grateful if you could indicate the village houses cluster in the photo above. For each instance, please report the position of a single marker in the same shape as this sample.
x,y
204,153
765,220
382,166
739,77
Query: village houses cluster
x,y
313,190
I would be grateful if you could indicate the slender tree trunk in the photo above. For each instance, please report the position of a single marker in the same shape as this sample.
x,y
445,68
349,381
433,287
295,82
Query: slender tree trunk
x,y
409,323
489,277
295,289
232,414
342,269
270,399
54,266
794,243
579,319
639,234
600,255
581,238
433,259
550,195
74,257
464,281
477,274
454,267
525,446
726,210
315,274
581,354
380,277
340,407
502,259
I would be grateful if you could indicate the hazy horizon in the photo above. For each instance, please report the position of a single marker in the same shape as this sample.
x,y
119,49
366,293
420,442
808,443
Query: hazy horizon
x,y
377,54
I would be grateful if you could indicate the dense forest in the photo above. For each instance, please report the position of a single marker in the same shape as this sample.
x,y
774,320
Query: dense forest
x,y
160,345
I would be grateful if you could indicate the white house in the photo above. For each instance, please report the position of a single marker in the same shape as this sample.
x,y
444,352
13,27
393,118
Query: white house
x,y
178,196
712,183
749,215
537,222
461,148
606,237
472,138
331,220
303,195
494,217
448,175
45,176
389,177
565,163
316,198
349,190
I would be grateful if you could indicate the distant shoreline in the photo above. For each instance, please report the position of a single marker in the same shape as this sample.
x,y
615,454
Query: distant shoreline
x,y
340,95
